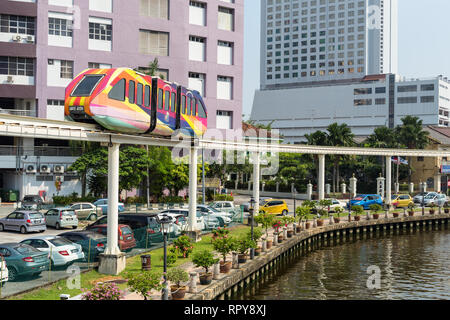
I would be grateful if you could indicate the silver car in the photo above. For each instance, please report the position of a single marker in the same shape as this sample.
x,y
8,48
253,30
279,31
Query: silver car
x,y
86,210
61,218
437,199
24,221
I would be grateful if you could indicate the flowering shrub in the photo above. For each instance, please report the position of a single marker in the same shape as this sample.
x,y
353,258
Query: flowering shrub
x,y
104,291
144,282
220,232
183,246
276,225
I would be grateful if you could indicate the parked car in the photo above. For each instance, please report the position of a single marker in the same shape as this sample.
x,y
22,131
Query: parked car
x,y
103,204
401,200
62,251
32,202
418,197
24,221
3,271
365,200
246,205
86,210
92,243
126,237
223,217
334,204
61,218
202,222
226,206
276,207
23,260
142,224
438,199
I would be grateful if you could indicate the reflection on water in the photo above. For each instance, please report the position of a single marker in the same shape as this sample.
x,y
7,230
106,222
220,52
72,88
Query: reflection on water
x,y
413,266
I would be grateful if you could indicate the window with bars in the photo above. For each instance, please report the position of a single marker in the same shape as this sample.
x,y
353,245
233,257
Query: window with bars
x,y
59,27
15,66
53,102
17,24
100,31
66,69
154,42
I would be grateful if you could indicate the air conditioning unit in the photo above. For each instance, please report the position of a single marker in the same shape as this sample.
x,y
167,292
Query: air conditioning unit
x,y
10,79
17,38
30,168
30,39
45,168
59,168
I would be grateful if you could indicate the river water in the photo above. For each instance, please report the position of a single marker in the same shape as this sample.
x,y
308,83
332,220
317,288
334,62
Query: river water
x,y
414,265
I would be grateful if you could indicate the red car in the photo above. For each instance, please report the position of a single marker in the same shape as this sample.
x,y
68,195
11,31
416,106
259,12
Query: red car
x,y
126,237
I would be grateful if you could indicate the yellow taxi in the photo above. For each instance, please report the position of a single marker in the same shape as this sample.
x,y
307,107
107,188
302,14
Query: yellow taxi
x,y
401,200
276,207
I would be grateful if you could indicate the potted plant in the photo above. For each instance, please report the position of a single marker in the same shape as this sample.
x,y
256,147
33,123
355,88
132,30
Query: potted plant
x,y
375,208
411,207
177,276
184,246
446,208
287,220
396,214
257,234
224,246
302,213
358,211
323,206
265,220
276,225
204,259
144,282
338,210
103,291
219,232
243,245
432,208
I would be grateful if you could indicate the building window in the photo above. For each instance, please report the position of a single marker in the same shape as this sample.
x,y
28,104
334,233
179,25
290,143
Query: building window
x,y
224,88
427,99
362,91
14,66
427,87
380,101
100,31
154,43
226,19
197,48
225,52
52,102
197,13
224,119
59,27
96,65
17,24
66,69
404,100
363,102
101,5
155,8
197,82
411,88
380,90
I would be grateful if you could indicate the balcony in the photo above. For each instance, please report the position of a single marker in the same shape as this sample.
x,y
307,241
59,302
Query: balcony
x,y
16,112
40,151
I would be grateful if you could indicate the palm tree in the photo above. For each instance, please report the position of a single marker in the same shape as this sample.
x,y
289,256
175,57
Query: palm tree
x,y
339,136
383,137
412,135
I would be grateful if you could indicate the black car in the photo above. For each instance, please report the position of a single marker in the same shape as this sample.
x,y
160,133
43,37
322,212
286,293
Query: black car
x,y
32,202
92,243
142,224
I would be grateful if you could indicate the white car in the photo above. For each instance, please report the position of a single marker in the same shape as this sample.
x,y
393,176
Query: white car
x,y
226,206
334,204
62,251
3,272
201,222
224,217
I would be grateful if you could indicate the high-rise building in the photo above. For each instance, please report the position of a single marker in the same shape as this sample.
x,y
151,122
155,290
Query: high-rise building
x,y
306,41
44,44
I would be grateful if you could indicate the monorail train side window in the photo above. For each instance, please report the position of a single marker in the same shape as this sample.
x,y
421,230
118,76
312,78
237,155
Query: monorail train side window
x,y
131,92
140,93
183,104
201,110
118,91
172,102
160,99
147,93
188,112
193,106
167,102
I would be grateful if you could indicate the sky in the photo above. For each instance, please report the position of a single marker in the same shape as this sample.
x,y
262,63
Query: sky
x,y
423,46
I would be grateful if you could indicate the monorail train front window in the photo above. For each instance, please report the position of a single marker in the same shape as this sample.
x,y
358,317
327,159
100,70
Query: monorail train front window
x,y
86,86
201,110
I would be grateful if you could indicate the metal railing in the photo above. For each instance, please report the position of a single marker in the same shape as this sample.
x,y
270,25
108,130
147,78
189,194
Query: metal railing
x,y
16,112
40,151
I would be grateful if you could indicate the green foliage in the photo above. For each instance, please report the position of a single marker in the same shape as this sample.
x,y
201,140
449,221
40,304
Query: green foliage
x,y
309,204
172,255
171,199
287,220
204,259
277,223
339,210
375,208
412,206
143,282
135,200
177,275
220,232
358,210
66,200
302,212
224,245
244,243
257,234
183,245
223,197
265,219
104,291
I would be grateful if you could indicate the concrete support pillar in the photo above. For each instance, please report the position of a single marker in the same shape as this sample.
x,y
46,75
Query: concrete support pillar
x,y
327,188
192,189
256,174
437,183
343,188
321,183
353,182
309,189
388,180
113,199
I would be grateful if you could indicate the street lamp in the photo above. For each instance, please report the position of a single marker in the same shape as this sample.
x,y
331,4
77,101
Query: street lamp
x,y
252,212
165,221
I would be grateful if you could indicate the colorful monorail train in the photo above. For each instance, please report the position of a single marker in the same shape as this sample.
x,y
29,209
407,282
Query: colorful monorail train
x,y
126,101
